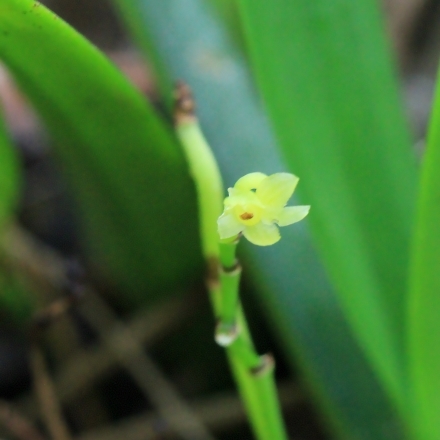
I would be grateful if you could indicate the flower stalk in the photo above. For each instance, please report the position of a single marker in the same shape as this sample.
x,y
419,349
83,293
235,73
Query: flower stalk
x,y
203,169
227,330
253,373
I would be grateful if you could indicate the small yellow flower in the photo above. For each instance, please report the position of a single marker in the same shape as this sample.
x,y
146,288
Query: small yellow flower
x,y
256,206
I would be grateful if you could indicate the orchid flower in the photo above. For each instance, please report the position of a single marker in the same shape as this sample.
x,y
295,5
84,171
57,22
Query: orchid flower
x,y
256,207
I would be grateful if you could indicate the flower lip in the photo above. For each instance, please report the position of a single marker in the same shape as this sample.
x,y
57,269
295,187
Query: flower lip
x,y
246,216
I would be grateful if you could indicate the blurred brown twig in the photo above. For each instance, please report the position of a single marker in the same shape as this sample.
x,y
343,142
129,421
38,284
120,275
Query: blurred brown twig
x,y
220,413
47,398
47,267
17,424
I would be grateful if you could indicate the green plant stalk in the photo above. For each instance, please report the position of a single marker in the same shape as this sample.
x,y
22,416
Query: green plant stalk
x,y
253,374
229,282
230,272
259,395
204,170
227,252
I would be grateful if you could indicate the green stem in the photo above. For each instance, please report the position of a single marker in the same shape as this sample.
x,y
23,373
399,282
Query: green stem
x,y
253,373
230,271
259,395
227,252
227,328
204,170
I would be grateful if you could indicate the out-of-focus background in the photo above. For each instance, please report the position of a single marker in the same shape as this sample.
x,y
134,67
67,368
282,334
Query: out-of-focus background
x,y
141,365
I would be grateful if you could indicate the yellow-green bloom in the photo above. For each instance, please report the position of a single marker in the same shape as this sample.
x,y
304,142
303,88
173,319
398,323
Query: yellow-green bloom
x,y
256,206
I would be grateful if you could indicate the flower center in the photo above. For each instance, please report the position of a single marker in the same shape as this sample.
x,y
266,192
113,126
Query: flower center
x,y
246,216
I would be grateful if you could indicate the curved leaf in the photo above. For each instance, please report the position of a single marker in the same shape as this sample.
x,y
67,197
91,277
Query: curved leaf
x,y
14,298
326,77
133,190
424,300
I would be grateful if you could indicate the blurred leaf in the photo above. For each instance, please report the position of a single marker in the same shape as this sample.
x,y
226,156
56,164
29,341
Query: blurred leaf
x,y
424,300
228,11
326,78
17,302
128,174
304,311
9,176
14,299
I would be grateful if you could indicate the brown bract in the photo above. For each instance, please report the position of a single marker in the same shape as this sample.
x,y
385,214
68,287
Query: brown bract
x,y
184,105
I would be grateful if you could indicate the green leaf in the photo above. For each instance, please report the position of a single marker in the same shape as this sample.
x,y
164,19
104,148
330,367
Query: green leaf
x,y
9,177
424,300
326,78
135,198
292,284
15,300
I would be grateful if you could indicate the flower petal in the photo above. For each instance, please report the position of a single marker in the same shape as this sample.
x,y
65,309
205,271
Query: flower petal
x,y
249,181
261,234
276,190
239,197
228,226
292,214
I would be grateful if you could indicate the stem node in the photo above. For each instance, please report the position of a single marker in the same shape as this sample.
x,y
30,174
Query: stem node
x,y
226,334
266,366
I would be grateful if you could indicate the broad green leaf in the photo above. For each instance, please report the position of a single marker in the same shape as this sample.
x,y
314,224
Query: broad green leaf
x,y
135,198
424,299
326,78
293,286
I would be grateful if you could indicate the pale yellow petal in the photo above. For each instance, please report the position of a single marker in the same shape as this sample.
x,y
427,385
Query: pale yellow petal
x,y
262,235
292,214
270,214
249,181
276,190
239,197
228,225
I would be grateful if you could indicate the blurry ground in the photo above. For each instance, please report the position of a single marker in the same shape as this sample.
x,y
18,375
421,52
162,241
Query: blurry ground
x,y
118,373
